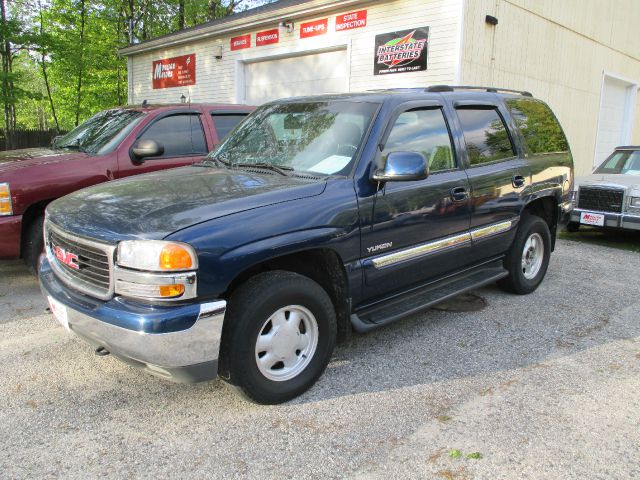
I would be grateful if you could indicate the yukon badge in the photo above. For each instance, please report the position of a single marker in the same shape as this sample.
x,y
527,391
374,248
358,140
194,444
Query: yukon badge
x,y
382,246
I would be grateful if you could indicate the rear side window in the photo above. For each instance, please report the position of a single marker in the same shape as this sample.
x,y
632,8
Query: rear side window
x,y
425,132
539,126
179,134
224,123
485,135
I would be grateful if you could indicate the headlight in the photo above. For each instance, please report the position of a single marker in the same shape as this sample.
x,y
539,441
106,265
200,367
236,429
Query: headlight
x,y
156,270
6,207
634,202
156,256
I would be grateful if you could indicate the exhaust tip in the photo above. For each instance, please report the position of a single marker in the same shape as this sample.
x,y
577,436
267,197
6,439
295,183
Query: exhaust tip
x,y
102,352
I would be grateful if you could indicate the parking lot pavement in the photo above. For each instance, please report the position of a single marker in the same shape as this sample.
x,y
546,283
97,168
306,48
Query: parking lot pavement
x,y
538,386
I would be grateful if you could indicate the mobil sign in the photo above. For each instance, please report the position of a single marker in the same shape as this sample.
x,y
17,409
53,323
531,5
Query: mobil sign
x,y
175,71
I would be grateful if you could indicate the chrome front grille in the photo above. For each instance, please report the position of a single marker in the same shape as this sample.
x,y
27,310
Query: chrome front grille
x,y
600,199
85,265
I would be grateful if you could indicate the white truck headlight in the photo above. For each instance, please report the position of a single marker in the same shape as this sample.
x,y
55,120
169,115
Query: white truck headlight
x,y
6,206
156,256
634,202
156,270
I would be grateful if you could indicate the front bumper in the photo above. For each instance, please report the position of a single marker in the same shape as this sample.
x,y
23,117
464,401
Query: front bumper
x,y
624,221
179,342
10,230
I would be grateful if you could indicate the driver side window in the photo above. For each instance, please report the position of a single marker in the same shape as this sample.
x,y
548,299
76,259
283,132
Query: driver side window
x,y
181,135
423,131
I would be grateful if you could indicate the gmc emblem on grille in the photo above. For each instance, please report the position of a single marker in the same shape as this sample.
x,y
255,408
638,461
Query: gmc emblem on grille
x,y
68,258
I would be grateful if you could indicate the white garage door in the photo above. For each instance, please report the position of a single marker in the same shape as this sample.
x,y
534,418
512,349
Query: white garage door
x,y
614,120
302,75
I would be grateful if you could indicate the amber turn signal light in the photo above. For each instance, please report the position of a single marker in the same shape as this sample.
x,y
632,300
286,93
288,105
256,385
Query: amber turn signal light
x,y
175,257
171,290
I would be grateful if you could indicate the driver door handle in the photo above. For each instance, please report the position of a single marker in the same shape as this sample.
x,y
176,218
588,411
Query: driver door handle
x,y
459,194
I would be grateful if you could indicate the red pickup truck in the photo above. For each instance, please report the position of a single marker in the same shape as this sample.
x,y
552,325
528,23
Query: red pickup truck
x,y
112,144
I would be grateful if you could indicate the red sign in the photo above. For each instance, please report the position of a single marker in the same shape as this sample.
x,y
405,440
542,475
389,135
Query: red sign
x,y
267,37
238,43
174,72
351,20
311,29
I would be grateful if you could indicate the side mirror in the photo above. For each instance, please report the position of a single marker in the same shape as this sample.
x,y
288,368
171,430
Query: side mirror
x,y
146,148
403,167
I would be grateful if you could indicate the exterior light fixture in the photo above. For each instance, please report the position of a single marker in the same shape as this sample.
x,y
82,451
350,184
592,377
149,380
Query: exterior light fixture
x,y
286,26
183,99
218,54
491,20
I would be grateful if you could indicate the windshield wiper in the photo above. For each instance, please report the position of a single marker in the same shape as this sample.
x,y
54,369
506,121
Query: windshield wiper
x,y
282,170
73,146
213,162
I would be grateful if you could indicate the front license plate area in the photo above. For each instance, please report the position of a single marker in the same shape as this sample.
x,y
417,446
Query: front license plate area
x,y
59,312
588,218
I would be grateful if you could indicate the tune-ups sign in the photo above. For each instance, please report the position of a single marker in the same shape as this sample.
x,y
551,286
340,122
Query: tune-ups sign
x,y
401,52
174,72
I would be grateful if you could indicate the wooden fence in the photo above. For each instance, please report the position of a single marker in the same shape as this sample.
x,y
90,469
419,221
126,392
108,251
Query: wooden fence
x,y
27,138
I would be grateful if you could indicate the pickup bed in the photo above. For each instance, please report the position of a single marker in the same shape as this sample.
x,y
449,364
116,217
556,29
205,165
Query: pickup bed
x,y
316,217
112,144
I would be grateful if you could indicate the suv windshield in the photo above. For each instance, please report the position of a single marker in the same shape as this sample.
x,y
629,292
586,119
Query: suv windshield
x,y
100,132
624,162
316,137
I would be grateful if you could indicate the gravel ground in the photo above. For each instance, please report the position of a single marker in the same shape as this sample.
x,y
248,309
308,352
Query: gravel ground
x,y
541,386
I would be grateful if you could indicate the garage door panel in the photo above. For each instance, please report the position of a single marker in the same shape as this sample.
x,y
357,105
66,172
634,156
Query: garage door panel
x,y
301,75
612,130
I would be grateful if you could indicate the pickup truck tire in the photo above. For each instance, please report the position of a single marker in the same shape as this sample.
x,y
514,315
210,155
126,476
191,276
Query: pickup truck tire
x,y
33,243
280,332
528,257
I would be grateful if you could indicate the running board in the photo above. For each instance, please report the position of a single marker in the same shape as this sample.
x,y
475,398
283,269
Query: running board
x,y
423,298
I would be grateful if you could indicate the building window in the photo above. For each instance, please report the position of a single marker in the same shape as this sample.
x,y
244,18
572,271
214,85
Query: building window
x,y
485,135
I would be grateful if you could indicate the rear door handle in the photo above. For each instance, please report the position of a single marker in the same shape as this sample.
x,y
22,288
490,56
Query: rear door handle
x,y
518,181
459,194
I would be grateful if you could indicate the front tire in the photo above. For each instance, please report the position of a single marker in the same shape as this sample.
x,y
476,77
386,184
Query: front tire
x,y
528,257
33,243
279,334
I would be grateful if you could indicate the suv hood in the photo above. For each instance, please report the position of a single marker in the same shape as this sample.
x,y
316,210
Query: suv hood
x,y
17,159
155,205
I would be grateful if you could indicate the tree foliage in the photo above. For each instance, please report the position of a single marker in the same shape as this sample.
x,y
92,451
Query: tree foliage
x,y
60,61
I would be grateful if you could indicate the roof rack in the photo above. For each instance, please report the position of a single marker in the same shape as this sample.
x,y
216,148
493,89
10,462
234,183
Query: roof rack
x,y
452,88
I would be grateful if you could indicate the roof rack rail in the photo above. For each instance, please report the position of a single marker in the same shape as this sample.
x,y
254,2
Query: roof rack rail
x,y
452,88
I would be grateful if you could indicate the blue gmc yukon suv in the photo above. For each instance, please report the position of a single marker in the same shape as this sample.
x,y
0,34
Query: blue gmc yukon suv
x,y
315,217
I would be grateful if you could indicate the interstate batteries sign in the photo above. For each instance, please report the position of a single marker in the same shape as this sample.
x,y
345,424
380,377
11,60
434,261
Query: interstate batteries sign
x,y
401,52
174,72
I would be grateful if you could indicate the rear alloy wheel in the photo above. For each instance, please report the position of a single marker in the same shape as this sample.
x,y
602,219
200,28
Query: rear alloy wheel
x,y
278,336
528,257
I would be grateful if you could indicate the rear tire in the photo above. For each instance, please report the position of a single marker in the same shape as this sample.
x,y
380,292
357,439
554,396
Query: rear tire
x,y
279,334
33,243
528,257
572,227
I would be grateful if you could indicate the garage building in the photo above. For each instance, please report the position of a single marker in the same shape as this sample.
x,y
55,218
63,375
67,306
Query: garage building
x,y
580,56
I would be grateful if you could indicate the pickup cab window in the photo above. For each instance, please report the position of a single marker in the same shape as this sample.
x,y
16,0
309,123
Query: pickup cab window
x,y
423,131
180,134
225,122
485,135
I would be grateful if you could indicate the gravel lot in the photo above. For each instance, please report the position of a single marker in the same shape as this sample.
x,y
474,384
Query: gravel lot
x,y
542,386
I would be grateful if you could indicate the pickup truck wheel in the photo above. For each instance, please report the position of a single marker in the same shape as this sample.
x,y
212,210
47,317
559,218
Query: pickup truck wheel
x,y
279,335
33,243
528,257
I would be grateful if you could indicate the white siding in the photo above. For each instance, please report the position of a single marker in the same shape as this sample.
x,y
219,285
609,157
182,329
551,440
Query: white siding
x,y
558,50
222,80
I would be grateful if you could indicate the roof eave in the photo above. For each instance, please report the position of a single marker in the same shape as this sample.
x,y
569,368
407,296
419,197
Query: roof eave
x,y
240,24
